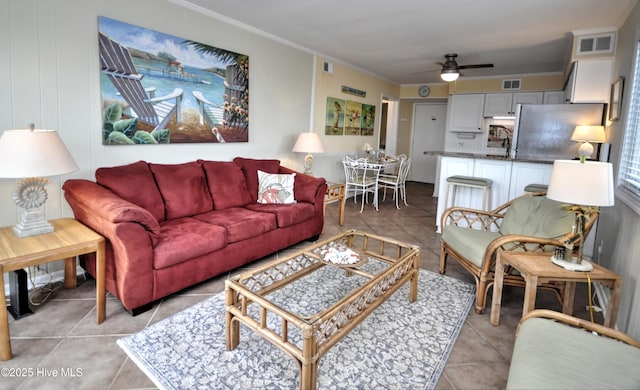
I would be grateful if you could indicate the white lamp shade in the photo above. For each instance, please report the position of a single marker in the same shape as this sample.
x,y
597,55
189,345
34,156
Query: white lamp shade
x,y
593,134
449,75
34,153
588,183
308,143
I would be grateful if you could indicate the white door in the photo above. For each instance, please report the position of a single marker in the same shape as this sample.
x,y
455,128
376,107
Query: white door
x,y
427,140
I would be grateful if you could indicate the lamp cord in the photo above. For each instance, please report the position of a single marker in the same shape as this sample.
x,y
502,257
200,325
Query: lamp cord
x,y
590,297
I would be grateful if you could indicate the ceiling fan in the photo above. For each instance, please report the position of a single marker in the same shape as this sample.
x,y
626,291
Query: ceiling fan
x,y
451,70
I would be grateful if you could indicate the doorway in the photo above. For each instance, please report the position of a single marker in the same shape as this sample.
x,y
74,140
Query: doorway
x,y
427,137
388,137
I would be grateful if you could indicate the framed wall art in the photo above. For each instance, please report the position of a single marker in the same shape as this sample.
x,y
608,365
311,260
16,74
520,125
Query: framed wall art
x,y
346,117
615,102
334,116
160,89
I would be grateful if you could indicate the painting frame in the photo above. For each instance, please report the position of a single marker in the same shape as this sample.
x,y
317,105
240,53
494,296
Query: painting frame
x,y
158,88
615,101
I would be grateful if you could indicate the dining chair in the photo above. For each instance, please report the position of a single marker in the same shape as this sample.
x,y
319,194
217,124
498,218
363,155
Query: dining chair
x,y
361,177
397,182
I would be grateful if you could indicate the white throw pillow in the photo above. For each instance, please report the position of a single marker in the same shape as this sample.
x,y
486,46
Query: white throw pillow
x,y
275,188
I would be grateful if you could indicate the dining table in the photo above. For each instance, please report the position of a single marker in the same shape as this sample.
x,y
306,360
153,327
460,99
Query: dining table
x,y
386,164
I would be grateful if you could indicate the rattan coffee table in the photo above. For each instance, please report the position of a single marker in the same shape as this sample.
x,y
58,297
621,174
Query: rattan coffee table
x,y
307,334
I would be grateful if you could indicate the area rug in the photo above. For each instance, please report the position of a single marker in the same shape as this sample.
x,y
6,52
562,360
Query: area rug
x,y
398,346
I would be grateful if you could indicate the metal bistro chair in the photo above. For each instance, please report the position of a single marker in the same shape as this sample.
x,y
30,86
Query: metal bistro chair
x,y
396,182
361,177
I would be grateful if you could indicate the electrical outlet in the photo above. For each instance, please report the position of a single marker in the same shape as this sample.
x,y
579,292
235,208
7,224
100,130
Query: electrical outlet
x,y
600,247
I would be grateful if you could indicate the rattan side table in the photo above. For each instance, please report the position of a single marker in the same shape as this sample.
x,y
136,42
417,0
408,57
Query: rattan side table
x,y
336,193
537,268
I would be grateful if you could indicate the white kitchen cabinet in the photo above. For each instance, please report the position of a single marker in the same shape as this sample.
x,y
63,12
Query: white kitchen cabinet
x,y
526,98
496,104
525,173
589,81
464,113
553,97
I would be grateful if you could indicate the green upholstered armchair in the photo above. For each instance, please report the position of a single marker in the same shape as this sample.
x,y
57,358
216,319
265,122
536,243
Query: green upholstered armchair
x,y
557,351
531,223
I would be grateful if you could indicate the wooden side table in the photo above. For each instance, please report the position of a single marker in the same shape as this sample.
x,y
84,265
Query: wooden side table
x,y
69,239
537,268
335,193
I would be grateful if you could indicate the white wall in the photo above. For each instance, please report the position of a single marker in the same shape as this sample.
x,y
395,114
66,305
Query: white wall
x,y
50,75
619,226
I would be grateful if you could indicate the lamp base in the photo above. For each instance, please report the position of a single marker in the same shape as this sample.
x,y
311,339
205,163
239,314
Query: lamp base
x,y
308,164
583,266
32,223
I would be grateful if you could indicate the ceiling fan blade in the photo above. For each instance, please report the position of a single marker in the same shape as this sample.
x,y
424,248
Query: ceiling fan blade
x,y
427,71
475,66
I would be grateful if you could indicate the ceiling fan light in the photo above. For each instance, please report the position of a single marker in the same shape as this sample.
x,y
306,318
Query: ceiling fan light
x,y
449,75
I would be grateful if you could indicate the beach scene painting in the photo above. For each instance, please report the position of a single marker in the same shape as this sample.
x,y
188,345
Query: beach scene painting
x,y
162,89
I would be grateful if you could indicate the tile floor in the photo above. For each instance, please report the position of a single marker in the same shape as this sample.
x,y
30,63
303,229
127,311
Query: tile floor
x,y
63,335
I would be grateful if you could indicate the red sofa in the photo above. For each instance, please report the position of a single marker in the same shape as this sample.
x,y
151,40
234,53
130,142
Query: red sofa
x,y
170,226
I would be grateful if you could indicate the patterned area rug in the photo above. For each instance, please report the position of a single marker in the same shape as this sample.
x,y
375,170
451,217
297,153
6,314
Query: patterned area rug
x,y
398,346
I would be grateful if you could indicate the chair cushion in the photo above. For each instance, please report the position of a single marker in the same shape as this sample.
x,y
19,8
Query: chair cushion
x,y
135,183
537,216
551,355
469,243
183,188
227,184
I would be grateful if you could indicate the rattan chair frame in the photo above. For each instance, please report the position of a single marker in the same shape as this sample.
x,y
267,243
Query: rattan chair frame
x,y
491,220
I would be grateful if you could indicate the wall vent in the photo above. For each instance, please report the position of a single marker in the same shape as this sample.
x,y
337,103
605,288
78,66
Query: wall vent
x,y
327,67
511,84
596,44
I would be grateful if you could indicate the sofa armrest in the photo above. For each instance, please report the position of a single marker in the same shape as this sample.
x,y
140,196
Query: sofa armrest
x,y
107,205
307,188
130,232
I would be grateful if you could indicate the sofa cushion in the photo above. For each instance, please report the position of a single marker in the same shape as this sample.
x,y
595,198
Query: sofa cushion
x,y
239,222
551,355
227,184
275,188
286,214
250,168
469,243
537,216
134,183
183,188
305,187
182,239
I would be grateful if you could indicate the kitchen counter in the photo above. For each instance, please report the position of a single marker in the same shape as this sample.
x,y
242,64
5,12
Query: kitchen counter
x,y
486,157
509,178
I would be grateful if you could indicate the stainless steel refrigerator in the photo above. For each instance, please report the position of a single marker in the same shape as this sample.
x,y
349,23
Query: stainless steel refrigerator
x,y
542,132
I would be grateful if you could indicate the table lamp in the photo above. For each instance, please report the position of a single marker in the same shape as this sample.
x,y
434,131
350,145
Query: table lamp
x,y
308,143
30,154
586,135
585,186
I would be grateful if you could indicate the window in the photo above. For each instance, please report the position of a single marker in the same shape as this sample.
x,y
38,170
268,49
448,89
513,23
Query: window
x,y
629,175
